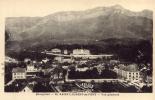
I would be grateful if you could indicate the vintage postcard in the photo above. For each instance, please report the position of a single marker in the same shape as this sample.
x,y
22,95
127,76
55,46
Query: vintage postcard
x,y
90,48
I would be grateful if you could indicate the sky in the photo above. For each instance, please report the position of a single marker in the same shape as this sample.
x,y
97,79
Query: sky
x,y
33,8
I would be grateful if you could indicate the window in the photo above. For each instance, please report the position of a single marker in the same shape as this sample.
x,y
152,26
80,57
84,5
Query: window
x,y
129,75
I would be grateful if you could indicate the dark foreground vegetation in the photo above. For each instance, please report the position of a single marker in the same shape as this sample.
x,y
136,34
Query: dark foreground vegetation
x,y
92,74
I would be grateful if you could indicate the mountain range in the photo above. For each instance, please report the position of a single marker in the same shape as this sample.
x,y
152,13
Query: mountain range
x,y
77,26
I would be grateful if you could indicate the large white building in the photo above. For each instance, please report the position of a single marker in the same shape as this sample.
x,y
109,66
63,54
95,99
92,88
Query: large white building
x,y
129,72
19,73
81,52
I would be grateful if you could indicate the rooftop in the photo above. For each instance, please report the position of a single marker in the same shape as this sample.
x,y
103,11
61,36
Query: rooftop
x,y
130,67
56,49
18,69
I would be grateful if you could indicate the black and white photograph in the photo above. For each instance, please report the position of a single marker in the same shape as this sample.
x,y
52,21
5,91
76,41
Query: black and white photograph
x,y
93,48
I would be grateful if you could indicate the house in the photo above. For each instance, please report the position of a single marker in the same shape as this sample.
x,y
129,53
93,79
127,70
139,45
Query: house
x,y
86,85
65,67
81,52
19,73
26,60
31,68
82,69
9,60
56,51
57,75
65,51
28,89
129,72
45,60
58,58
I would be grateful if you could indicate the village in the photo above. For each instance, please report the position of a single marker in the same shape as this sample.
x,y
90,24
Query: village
x,y
77,71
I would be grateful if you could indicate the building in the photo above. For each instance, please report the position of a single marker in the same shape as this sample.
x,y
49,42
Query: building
x,y
57,75
81,52
67,59
83,61
129,72
65,51
65,67
26,60
31,68
86,85
19,73
45,60
10,60
56,51
82,69
28,89
58,58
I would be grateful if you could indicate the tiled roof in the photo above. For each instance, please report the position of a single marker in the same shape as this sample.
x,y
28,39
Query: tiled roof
x,y
29,86
130,67
18,69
